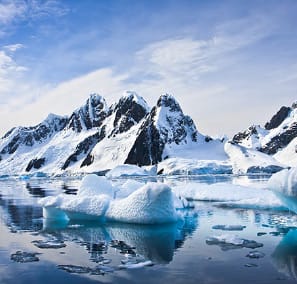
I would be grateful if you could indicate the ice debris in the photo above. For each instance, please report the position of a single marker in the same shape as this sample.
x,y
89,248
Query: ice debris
x,y
55,244
227,242
24,257
229,227
255,254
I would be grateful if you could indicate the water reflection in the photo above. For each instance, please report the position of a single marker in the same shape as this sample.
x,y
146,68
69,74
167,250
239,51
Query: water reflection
x,y
285,255
156,243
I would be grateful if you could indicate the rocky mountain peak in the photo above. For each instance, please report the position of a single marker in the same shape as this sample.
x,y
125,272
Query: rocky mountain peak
x,y
278,118
170,102
90,115
129,110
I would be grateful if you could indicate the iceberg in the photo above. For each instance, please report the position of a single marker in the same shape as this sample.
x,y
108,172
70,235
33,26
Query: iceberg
x,y
284,184
153,203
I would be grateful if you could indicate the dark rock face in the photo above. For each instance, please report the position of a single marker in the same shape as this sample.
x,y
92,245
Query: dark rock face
x,y
148,147
278,118
280,141
127,113
90,115
84,147
28,136
36,164
239,137
172,127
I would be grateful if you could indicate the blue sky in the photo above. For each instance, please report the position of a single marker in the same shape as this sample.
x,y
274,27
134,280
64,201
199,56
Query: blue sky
x,y
229,63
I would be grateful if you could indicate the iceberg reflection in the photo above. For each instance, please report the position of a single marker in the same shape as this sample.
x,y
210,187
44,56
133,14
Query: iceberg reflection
x,y
285,255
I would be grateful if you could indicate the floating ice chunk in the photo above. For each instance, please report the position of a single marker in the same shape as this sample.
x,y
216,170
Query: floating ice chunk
x,y
151,204
126,170
75,269
255,254
24,257
132,265
94,185
227,242
229,227
50,244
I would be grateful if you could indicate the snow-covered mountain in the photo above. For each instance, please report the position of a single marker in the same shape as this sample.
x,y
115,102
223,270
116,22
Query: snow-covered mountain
x,y
97,137
278,138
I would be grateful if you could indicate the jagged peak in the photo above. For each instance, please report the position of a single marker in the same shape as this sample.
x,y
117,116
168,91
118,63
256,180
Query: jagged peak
x,y
169,101
134,97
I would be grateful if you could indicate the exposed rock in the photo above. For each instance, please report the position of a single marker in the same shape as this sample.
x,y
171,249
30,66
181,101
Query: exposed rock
x,y
84,147
278,118
28,136
90,115
128,111
36,164
165,124
281,140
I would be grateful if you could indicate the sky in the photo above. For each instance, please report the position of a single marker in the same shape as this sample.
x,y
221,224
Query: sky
x,y
229,63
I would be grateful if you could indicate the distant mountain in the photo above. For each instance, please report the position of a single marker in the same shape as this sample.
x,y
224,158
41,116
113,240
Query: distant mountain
x,y
278,138
97,137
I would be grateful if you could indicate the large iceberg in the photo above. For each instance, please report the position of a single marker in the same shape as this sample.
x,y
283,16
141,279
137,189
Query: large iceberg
x,y
153,203
284,184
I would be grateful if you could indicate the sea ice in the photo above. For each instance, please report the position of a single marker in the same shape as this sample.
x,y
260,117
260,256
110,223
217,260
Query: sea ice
x,y
231,195
127,170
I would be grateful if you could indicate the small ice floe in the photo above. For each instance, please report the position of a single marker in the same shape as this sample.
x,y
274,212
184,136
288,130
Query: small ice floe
x,y
75,269
24,257
251,265
227,242
229,227
50,244
255,254
133,262
259,234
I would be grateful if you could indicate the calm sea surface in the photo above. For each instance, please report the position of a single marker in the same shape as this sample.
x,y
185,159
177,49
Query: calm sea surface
x,y
177,253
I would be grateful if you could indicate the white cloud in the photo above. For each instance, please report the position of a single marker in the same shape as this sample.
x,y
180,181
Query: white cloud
x,y
10,10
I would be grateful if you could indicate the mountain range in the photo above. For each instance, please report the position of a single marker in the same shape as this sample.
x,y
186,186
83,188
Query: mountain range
x,y
97,137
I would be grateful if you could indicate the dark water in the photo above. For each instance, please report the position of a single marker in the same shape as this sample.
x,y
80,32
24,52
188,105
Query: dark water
x,y
179,253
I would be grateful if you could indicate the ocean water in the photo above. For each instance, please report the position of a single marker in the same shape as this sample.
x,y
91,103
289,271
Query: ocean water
x,y
32,250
